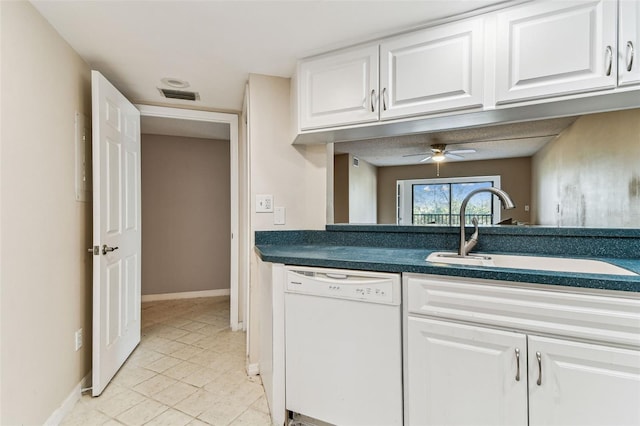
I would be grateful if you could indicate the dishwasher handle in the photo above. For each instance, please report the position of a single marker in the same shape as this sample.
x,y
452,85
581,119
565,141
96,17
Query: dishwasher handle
x,y
336,276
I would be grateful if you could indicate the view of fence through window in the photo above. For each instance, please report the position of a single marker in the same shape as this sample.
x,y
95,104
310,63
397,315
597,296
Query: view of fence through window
x,y
440,203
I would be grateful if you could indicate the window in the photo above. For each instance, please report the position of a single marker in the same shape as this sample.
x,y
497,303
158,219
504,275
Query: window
x,y
438,201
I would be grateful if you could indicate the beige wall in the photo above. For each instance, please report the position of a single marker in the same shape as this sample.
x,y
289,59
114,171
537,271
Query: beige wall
x,y
515,179
354,191
186,214
362,192
341,188
45,270
590,174
294,175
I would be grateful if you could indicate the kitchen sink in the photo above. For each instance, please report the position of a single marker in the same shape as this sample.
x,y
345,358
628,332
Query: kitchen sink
x,y
540,263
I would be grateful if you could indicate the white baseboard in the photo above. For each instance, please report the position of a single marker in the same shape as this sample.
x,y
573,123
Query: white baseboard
x,y
253,369
185,295
234,327
70,401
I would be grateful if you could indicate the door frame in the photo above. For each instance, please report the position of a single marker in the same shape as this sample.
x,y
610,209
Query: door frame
x,y
232,121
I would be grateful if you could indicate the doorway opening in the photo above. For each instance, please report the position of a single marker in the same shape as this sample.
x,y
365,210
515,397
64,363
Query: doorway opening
x,y
212,134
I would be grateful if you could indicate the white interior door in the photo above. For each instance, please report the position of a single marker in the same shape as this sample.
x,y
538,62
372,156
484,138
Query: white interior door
x,y
116,230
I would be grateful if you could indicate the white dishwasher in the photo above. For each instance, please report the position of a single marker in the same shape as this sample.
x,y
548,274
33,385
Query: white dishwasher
x,y
343,346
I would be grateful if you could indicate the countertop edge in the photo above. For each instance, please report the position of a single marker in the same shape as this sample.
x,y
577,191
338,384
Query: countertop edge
x,y
302,257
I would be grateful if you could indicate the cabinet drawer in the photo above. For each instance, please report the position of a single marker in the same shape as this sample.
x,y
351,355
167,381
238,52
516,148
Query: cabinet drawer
x,y
603,318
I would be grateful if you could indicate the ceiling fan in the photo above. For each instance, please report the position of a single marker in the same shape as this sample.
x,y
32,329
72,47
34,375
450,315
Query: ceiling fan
x,y
439,152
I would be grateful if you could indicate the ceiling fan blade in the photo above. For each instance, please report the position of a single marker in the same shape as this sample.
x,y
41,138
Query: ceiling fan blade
x,y
454,156
426,159
461,151
414,155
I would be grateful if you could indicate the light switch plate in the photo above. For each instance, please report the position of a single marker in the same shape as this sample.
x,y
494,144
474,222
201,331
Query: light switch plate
x,y
264,203
279,216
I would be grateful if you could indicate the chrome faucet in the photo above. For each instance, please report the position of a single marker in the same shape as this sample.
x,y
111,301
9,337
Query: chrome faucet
x,y
466,246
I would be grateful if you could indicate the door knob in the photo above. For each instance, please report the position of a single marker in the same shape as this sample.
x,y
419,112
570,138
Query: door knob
x,y
106,249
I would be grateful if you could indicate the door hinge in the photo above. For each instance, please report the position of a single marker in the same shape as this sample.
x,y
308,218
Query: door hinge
x,y
95,250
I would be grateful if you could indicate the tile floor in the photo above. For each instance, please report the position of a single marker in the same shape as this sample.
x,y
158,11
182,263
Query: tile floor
x,y
189,369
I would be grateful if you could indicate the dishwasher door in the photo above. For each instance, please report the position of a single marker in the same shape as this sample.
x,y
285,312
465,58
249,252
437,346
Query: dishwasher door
x,y
344,346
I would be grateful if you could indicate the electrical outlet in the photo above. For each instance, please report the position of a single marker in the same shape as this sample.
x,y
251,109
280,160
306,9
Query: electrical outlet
x,y
264,203
526,207
78,339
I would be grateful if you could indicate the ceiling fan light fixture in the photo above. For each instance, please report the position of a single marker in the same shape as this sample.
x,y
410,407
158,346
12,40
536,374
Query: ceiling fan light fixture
x,y
438,157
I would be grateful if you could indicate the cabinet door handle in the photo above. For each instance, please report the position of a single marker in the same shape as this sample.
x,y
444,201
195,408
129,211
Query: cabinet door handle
x,y
517,365
384,98
373,100
609,53
629,55
539,358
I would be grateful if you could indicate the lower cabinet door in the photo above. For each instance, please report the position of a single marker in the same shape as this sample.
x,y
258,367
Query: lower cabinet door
x,y
575,383
465,375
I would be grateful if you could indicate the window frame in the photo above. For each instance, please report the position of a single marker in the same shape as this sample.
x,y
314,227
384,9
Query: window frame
x,y
404,196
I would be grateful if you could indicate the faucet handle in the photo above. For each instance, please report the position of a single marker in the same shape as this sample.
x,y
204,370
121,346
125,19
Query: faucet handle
x,y
468,245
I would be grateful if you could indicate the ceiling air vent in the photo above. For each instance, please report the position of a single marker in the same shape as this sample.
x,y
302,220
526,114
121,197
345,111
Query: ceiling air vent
x,y
180,94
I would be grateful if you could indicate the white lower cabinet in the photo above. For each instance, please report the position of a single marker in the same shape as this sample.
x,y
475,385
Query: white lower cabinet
x,y
465,375
575,383
480,352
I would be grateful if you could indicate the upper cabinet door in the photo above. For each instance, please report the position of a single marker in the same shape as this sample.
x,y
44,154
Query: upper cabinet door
x,y
554,48
339,89
437,69
628,43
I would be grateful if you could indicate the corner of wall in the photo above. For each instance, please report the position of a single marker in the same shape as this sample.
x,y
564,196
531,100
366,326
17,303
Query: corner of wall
x,y
296,176
49,298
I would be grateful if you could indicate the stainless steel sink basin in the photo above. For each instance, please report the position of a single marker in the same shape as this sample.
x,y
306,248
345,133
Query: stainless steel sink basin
x,y
557,264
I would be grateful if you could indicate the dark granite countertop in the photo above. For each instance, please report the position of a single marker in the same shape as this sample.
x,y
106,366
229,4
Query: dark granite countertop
x,y
340,247
387,248
385,259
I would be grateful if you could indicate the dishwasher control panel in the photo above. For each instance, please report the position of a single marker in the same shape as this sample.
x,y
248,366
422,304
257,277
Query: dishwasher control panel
x,y
356,285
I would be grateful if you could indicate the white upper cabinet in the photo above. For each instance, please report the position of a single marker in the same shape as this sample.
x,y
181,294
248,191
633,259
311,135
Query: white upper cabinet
x,y
551,48
434,70
628,42
339,88
543,51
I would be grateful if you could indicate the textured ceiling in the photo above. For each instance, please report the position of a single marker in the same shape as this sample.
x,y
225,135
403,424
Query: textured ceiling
x,y
215,44
502,141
